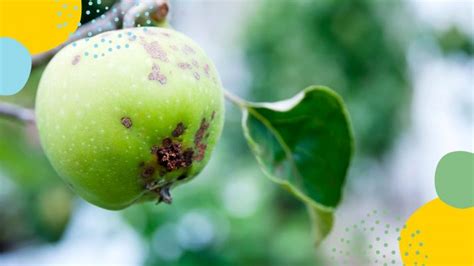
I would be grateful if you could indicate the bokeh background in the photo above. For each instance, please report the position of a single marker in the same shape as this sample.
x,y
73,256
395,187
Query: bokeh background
x,y
405,70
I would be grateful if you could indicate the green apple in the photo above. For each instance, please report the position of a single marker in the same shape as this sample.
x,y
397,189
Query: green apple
x,y
126,115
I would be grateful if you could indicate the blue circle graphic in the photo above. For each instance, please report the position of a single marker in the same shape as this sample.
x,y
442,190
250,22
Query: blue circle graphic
x,y
15,66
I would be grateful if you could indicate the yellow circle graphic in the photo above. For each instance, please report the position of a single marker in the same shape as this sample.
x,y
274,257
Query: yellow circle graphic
x,y
40,25
438,234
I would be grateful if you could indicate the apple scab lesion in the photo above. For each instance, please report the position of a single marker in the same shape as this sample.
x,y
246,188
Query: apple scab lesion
x,y
184,65
188,50
156,75
154,50
179,130
207,70
75,60
172,156
199,137
168,156
126,122
148,172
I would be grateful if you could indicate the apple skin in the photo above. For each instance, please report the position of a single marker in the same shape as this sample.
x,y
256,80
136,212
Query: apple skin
x,y
126,115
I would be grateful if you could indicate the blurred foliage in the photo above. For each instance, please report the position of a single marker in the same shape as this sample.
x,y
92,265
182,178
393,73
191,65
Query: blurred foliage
x,y
347,45
35,205
453,40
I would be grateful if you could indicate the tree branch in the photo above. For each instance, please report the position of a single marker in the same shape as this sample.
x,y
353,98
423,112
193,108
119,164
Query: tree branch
x,y
9,110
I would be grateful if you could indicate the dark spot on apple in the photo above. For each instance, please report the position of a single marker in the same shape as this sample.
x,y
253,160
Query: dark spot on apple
x,y
198,138
207,70
172,157
148,172
167,142
201,131
179,130
76,60
155,51
126,122
188,49
188,156
155,74
184,65
201,148
158,77
197,76
213,115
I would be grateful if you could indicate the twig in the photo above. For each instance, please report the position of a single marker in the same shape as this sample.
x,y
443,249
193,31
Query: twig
x,y
17,112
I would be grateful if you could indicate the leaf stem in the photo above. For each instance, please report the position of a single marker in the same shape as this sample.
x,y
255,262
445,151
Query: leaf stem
x,y
235,99
23,114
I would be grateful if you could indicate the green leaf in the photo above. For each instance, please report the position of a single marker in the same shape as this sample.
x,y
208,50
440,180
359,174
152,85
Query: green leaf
x,y
305,145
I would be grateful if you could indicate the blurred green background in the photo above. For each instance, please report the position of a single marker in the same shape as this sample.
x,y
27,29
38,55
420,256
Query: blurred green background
x,y
231,215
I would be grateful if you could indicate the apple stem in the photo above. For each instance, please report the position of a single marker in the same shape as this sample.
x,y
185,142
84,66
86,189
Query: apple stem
x,y
17,112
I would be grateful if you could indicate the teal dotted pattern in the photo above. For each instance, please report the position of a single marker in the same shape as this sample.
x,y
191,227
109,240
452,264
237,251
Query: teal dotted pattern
x,y
370,241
